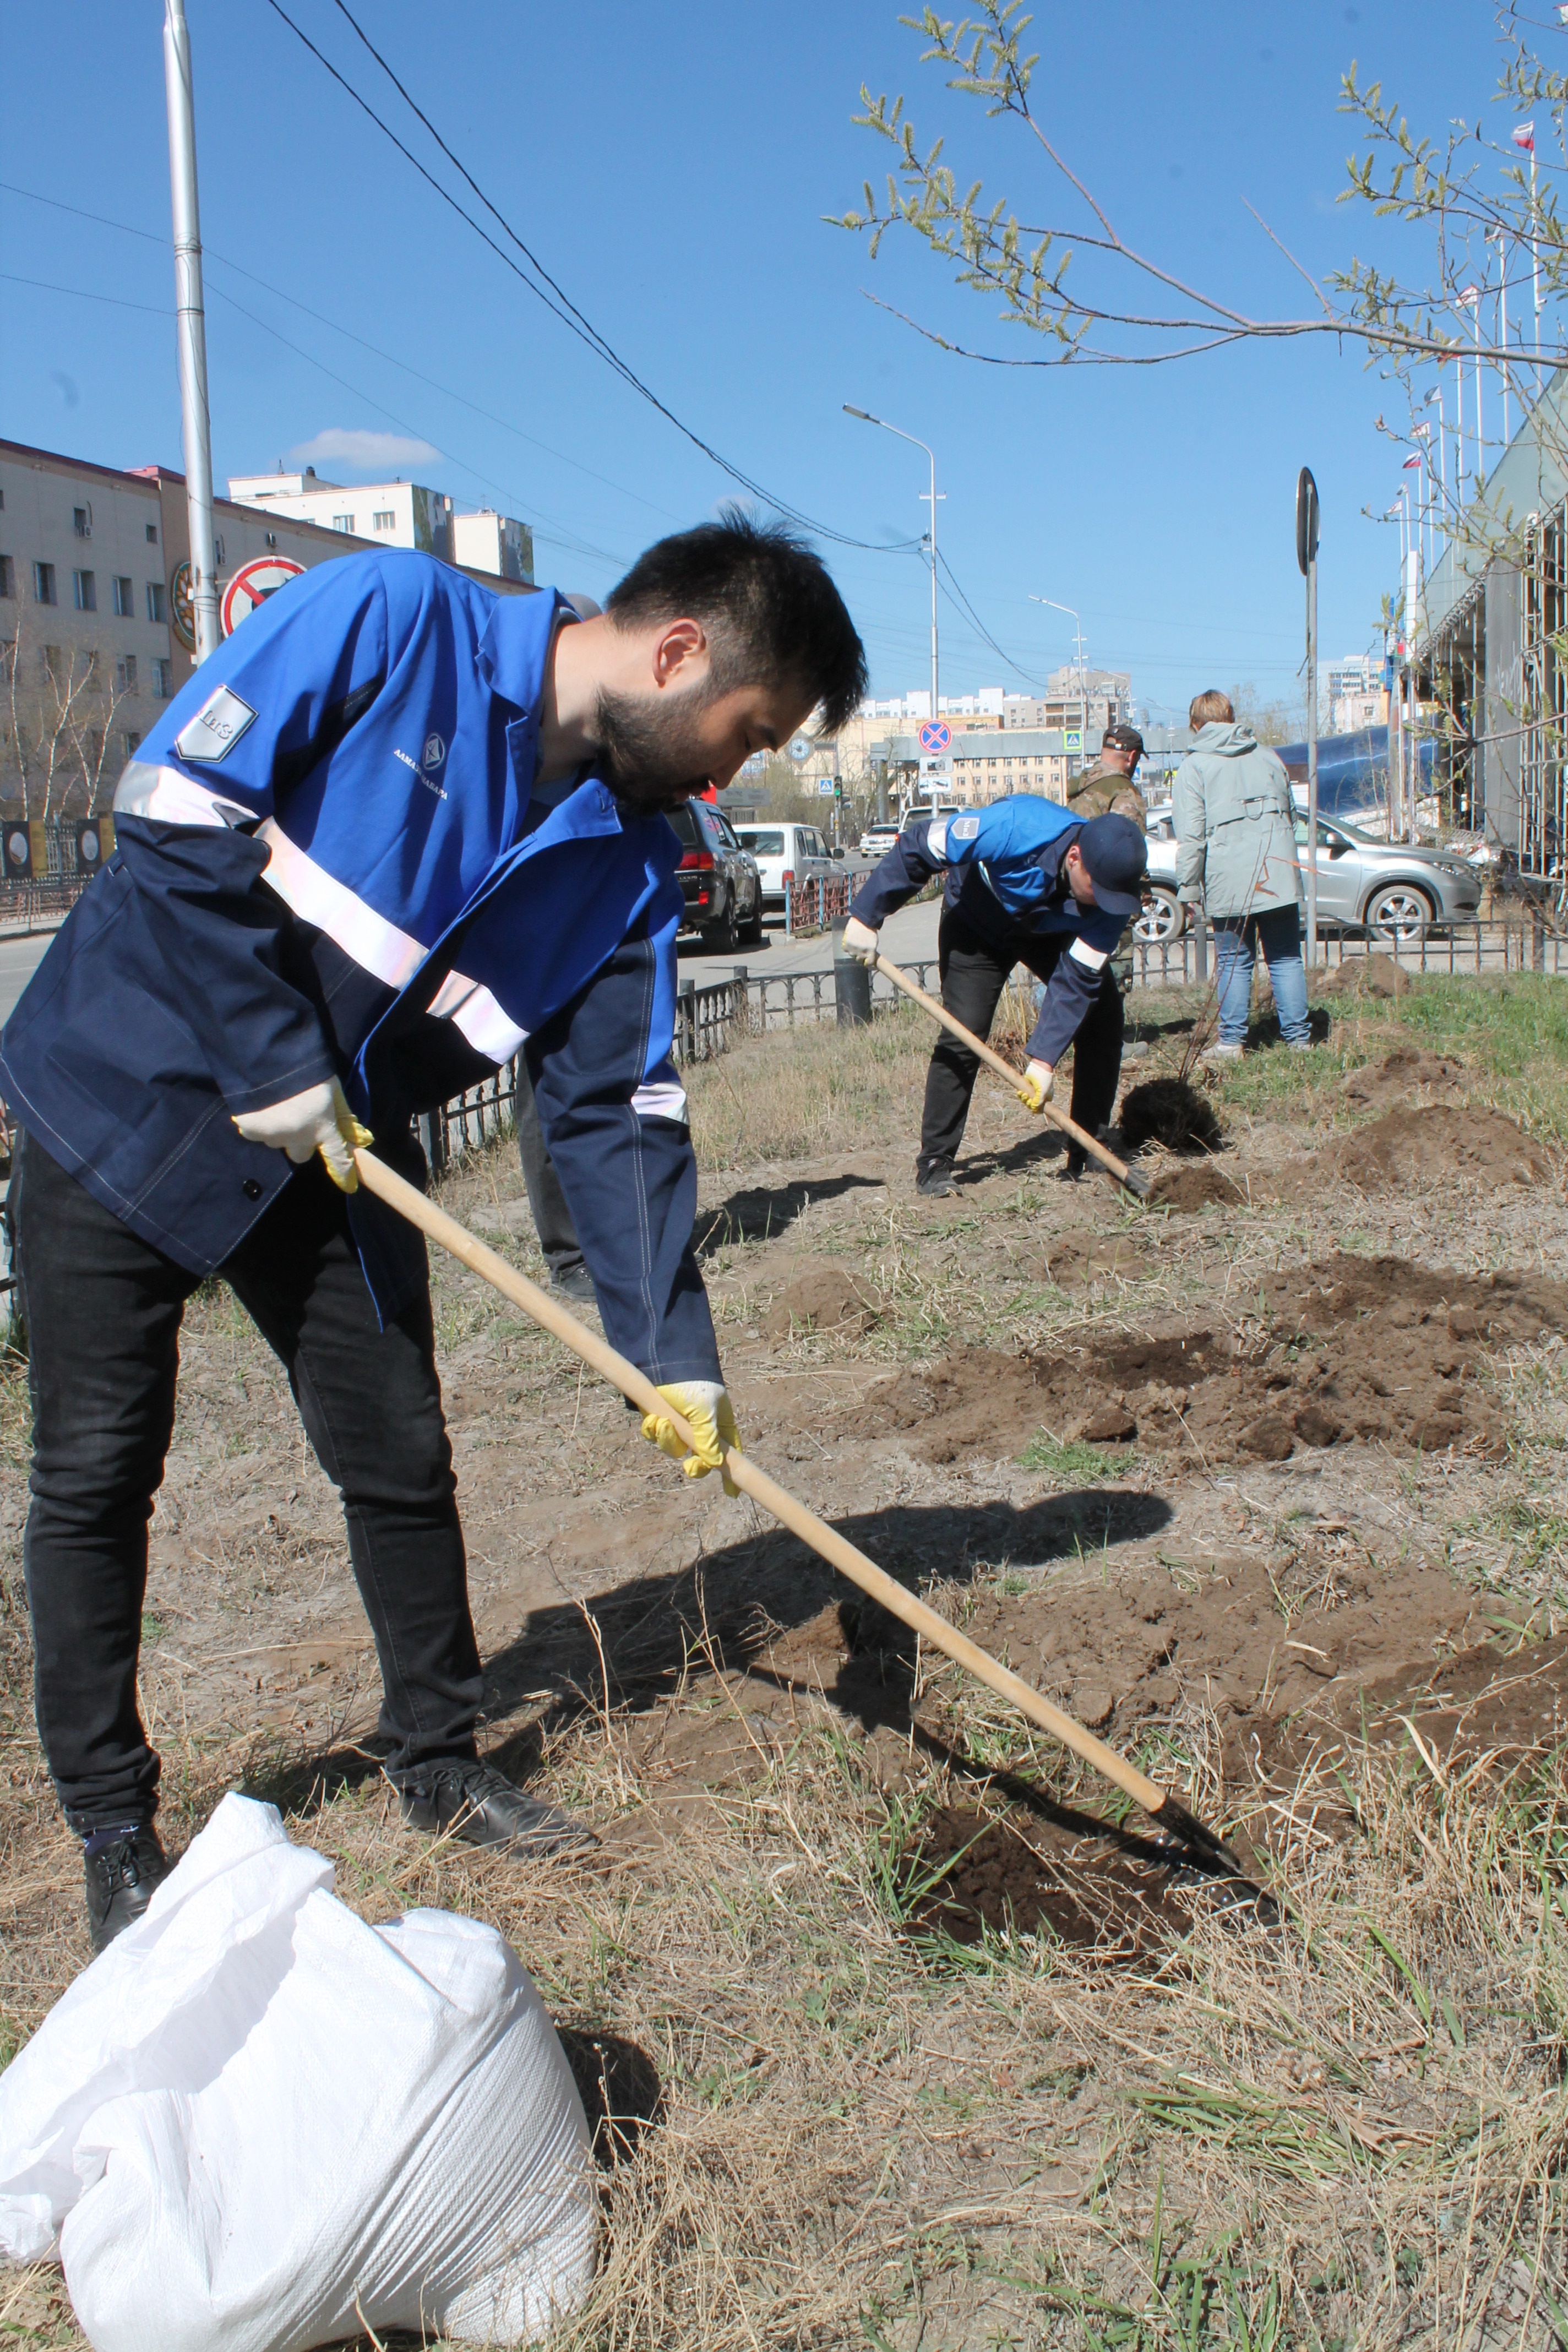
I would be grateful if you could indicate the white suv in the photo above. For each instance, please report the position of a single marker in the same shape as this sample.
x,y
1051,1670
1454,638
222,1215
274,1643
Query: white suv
x,y
797,850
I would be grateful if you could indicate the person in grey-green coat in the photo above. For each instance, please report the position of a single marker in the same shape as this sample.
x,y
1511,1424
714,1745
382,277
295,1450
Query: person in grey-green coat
x,y
1235,836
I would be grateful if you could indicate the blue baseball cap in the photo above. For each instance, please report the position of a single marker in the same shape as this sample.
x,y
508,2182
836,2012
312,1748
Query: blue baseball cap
x,y
1115,856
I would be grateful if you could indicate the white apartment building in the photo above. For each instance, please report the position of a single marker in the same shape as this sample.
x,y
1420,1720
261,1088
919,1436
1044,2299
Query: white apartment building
x,y
95,607
397,514
1356,694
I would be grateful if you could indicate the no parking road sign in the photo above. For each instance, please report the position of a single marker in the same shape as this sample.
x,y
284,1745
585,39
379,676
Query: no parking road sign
x,y
252,585
935,735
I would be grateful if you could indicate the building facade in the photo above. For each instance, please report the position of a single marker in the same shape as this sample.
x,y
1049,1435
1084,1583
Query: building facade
x,y
1357,696
96,627
1488,650
395,514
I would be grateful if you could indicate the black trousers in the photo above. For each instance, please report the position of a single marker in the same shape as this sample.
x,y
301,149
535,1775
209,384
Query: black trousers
x,y
974,970
552,1217
103,1310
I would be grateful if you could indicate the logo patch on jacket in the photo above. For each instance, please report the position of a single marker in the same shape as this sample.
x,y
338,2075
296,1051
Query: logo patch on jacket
x,y
963,828
435,750
217,727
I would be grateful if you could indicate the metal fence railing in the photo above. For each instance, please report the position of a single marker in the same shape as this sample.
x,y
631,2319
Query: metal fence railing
x,y
1497,945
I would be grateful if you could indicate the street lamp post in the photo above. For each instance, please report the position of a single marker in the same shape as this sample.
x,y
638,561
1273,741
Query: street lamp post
x,y
865,417
1306,557
1083,676
1436,394
191,327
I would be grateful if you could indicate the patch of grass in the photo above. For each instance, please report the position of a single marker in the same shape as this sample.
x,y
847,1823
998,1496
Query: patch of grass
x,y
1075,1463
797,1094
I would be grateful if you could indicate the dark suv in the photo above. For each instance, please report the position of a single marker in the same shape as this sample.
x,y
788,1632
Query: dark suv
x,y
722,888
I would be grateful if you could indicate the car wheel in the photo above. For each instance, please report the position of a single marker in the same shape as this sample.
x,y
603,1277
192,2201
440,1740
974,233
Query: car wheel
x,y
720,937
1164,918
1399,912
752,933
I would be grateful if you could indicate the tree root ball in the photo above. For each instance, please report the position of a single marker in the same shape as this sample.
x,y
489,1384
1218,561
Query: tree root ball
x,y
1172,1112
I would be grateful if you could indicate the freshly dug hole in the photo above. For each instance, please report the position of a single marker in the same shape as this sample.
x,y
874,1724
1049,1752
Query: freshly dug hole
x,y
1172,1112
1018,1875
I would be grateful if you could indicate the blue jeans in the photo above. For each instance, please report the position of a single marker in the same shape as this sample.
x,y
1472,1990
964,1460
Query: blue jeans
x,y
1236,942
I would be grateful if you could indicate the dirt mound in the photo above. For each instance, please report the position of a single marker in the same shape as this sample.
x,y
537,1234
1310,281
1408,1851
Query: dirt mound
x,y
1027,1876
1197,1188
1406,1071
1370,975
1424,1146
1089,1257
1172,1112
824,1299
1375,1349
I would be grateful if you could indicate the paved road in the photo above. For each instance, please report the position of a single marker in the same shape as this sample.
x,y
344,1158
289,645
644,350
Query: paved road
x,y
909,937
19,959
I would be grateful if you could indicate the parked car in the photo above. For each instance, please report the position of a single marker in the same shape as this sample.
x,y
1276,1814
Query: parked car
x,y
797,850
1384,886
719,878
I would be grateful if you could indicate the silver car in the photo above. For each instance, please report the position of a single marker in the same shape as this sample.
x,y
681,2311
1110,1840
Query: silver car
x,y
1382,886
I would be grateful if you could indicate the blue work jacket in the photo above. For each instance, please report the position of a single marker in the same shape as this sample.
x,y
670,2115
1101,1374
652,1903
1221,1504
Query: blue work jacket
x,y
331,861
1005,879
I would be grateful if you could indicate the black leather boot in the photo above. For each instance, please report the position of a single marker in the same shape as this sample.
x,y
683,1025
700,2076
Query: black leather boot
x,y
478,1804
124,1869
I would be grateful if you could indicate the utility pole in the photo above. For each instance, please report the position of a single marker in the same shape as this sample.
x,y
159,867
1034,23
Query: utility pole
x,y
865,417
1306,557
191,325
1082,673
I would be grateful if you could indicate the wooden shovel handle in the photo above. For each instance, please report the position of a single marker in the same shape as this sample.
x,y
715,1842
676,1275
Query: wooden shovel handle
x,y
377,1178
993,1060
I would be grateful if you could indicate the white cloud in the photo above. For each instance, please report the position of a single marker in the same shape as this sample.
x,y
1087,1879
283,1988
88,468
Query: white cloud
x,y
370,453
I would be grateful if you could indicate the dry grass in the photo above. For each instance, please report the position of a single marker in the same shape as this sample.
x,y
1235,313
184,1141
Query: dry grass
x,y
1348,2132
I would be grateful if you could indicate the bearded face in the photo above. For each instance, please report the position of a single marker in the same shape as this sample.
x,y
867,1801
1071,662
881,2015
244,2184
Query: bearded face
x,y
654,751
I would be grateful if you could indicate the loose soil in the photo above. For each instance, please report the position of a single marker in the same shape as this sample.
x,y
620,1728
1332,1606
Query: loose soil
x,y
1418,1149
1348,1348
824,1299
1022,1875
1169,1111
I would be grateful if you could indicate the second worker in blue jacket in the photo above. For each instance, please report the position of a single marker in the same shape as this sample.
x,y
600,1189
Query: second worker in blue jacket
x,y
1029,883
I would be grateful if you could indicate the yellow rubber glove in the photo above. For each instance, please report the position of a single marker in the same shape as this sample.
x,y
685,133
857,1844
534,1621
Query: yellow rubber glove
x,y
1039,1080
317,1121
705,1407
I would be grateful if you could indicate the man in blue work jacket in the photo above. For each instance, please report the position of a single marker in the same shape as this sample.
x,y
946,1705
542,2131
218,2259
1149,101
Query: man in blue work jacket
x,y
395,830
1030,883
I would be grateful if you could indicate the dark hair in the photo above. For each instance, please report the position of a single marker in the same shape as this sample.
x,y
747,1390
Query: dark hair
x,y
766,601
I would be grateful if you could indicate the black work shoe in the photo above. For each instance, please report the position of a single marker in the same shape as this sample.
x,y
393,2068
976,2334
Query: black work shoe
x,y
1074,1165
474,1802
577,1284
123,1873
936,1182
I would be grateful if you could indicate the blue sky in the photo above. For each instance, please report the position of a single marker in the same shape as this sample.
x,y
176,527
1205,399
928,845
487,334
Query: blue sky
x,y
671,169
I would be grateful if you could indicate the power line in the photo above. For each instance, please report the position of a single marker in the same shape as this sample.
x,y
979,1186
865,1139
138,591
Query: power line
x,y
336,327
47,286
554,299
985,632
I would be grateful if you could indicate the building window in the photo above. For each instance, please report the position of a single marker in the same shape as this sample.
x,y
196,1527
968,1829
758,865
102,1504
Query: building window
x,y
43,583
152,541
343,523
53,665
124,598
157,604
272,539
125,675
82,521
131,742
217,547
84,586
386,520
163,679
8,577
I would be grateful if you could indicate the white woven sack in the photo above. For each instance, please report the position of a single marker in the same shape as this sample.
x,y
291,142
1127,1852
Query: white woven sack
x,y
253,2122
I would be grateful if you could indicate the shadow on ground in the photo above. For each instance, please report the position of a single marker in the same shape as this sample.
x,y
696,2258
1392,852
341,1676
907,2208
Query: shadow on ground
x,y
762,1211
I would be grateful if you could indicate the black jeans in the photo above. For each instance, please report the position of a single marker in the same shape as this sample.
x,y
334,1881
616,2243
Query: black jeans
x,y
975,971
103,1310
552,1217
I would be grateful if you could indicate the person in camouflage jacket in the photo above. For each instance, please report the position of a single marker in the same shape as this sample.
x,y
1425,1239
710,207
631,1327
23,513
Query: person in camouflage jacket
x,y
1109,789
